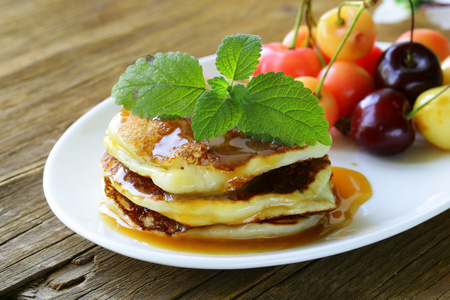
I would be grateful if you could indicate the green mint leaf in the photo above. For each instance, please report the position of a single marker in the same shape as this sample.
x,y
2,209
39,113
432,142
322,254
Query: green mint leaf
x,y
240,93
283,110
163,85
214,115
237,56
220,85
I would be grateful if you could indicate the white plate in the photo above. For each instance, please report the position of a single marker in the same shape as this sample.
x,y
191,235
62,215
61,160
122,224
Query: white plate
x,y
407,190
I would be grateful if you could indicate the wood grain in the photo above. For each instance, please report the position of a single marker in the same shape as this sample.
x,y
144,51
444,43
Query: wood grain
x,y
58,59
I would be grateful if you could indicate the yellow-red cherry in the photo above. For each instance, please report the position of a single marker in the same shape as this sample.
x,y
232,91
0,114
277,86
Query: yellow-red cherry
x,y
330,32
349,83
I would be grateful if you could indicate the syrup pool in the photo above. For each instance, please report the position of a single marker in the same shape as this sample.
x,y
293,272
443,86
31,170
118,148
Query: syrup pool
x,y
351,188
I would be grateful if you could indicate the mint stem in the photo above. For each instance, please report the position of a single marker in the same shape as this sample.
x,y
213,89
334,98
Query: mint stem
x,y
362,6
298,21
411,114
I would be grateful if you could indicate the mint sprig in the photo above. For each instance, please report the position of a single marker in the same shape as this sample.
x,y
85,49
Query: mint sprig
x,y
164,85
271,107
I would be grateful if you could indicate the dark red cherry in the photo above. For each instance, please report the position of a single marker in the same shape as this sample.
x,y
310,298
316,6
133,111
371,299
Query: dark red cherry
x,y
410,77
378,123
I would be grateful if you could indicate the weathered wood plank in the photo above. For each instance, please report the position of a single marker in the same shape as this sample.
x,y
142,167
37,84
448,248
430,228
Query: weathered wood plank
x,y
60,58
32,240
362,273
244,284
137,280
384,270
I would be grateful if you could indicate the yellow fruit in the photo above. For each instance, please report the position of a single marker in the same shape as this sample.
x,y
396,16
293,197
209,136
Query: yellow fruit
x,y
433,120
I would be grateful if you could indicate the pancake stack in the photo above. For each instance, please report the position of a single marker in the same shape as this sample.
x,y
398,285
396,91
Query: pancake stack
x,y
159,178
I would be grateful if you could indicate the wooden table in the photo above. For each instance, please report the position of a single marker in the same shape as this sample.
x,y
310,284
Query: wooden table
x,y
58,59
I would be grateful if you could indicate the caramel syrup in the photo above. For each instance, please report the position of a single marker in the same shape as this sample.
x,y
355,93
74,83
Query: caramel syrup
x,y
351,188
232,149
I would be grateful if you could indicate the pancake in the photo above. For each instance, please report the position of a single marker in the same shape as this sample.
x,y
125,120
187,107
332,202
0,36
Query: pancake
x,y
297,189
142,218
167,152
139,217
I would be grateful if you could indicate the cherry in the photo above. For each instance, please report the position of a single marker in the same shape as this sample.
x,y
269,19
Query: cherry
x,y
346,22
293,62
431,116
347,90
286,57
379,123
356,44
326,99
445,66
303,38
369,61
436,41
410,68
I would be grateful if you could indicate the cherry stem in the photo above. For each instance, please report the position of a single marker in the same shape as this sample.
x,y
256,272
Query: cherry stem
x,y
311,19
362,6
340,21
409,62
308,24
411,114
313,41
298,21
